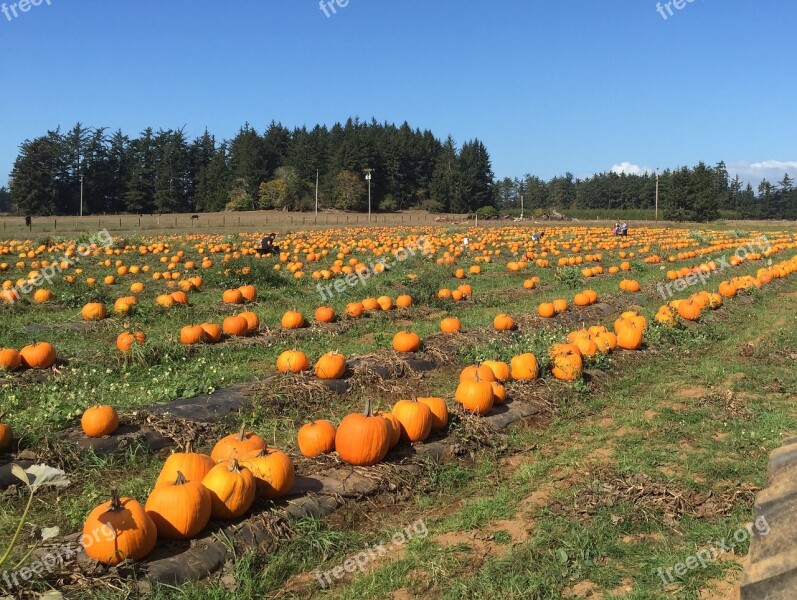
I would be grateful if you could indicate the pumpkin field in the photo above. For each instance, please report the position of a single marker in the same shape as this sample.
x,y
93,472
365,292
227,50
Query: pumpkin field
x,y
568,417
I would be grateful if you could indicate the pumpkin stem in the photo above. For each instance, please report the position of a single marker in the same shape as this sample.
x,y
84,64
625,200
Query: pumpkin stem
x,y
189,447
116,503
242,435
2,414
181,480
235,467
368,412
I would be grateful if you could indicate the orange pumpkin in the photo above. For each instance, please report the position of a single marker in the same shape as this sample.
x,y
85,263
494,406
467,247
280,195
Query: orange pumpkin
x,y
237,445
273,471
40,355
180,508
118,530
439,410
415,419
99,421
406,341
232,490
292,361
331,365
362,439
316,438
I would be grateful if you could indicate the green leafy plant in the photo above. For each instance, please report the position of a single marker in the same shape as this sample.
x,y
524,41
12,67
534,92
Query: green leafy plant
x,y
42,476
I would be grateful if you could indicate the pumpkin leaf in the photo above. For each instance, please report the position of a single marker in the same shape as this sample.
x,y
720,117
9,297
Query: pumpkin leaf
x,y
20,474
46,476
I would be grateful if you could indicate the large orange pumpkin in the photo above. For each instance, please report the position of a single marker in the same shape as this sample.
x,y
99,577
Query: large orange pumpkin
x,y
232,490
180,509
362,439
406,341
415,419
118,530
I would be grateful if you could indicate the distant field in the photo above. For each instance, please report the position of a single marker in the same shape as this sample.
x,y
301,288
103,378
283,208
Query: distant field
x,y
283,222
253,221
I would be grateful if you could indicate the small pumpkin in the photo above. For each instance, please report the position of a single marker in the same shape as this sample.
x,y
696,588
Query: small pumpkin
x,y
439,410
415,419
325,314
499,368
450,325
40,355
232,490
5,434
99,421
10,360
119,530
249,292
355,309
232,297
273,471
126,340
191,334
292,361
393,427
362,439
524,367
331,365
180,509
316,438
237,445
406,341
193,465
475,396
213,332
499,393
404,301
252,321
474,372
235,326
93,311
292,320
503,322
546,310
567,363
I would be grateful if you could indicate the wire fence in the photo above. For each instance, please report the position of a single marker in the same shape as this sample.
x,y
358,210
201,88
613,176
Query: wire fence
x,y
204,222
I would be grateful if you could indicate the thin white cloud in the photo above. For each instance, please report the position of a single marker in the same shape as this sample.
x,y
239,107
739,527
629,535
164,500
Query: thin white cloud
x,y
630,169
754,173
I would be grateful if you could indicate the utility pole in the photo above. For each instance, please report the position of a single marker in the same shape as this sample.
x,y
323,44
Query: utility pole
x,y
317,171
657,194
368,179
81,194
521,207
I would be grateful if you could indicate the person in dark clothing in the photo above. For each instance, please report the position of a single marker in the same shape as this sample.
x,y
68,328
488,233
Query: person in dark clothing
x,y
267,245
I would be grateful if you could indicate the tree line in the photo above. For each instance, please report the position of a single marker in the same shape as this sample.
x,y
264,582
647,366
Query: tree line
x,y
701,193
164,172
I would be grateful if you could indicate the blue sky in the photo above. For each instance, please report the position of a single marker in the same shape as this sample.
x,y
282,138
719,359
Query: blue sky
x,y
549,87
